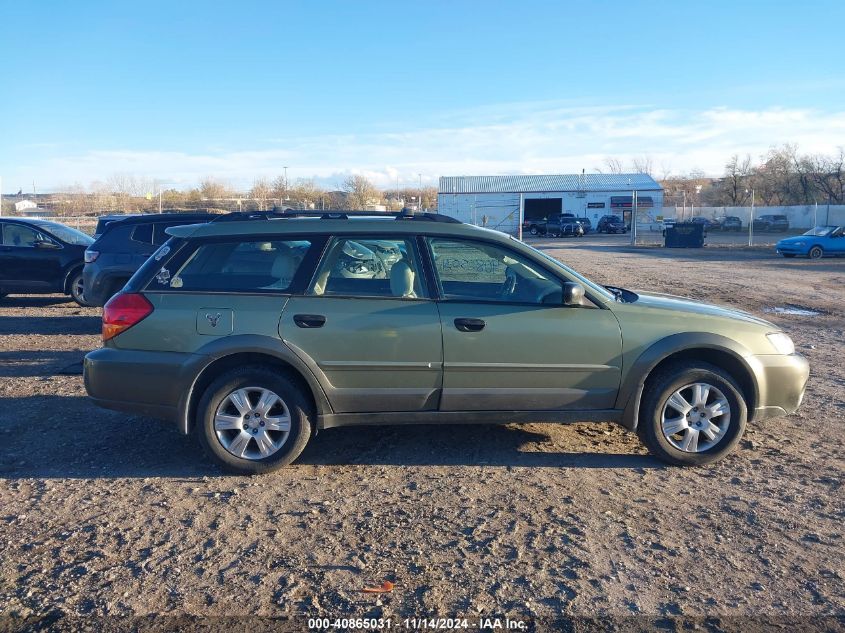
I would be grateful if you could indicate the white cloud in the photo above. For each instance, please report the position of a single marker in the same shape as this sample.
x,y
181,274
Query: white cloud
x,y
520,138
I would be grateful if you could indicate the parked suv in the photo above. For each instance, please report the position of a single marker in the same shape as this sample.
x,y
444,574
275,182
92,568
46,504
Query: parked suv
x,y
610,224
730,223
41,257
125,244
771,223
257,334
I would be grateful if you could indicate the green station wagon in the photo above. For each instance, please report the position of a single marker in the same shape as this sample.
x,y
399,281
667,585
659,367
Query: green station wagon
x,y
256,332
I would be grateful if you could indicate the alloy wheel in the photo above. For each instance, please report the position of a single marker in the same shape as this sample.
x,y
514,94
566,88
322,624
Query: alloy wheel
x,y
696,417
252,423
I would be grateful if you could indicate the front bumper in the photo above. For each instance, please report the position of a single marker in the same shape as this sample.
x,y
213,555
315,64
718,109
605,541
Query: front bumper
x,y
781,381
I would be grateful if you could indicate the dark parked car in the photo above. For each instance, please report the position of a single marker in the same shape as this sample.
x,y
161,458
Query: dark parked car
x,y
610,224
730,223
771,223
565,226
126,244
41,257
540,226
707,223
586,224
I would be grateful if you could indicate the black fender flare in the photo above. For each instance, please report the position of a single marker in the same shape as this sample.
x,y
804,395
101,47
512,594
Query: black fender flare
x,y
220,348
631,390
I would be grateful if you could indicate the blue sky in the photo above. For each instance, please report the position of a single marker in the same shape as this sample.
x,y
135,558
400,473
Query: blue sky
x,y
175,91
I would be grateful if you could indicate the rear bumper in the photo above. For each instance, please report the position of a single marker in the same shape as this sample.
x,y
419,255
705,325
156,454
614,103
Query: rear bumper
x,y
145,383
95,286
781,381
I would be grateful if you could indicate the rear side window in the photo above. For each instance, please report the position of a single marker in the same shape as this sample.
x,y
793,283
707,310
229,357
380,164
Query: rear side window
x,y
143,233
243,266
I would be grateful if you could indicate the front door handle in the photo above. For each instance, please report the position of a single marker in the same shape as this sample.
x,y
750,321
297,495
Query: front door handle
x,y
309,321
469,325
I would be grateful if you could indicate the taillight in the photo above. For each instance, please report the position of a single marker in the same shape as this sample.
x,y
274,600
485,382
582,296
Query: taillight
x,y
91,256
123,311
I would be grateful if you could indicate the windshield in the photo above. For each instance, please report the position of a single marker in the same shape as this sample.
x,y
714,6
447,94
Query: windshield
x,y
604,292
66,234
821,231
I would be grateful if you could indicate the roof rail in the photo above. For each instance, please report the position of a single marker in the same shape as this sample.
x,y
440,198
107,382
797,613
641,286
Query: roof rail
x,y
327,214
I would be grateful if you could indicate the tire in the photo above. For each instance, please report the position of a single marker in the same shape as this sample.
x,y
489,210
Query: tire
x,y
76,290
677,377
817,252
293,405
533,230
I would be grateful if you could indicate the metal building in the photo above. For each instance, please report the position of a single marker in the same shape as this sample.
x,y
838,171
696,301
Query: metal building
x,y
502,202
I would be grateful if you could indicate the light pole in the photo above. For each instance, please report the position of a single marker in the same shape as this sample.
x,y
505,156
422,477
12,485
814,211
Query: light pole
x,y
420,206
751,220
286,183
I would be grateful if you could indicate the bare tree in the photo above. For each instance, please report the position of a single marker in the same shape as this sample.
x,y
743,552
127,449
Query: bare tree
x,y
260,192
360,192
736,180
614,165
307,193
213,189
642,165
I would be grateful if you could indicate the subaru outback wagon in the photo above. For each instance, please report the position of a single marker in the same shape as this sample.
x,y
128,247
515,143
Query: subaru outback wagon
x,y
257,333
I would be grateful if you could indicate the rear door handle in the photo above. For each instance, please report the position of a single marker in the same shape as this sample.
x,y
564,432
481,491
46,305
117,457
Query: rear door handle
x,y
309,321
469,325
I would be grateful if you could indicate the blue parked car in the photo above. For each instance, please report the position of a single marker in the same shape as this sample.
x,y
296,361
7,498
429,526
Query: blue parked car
x,y
822,241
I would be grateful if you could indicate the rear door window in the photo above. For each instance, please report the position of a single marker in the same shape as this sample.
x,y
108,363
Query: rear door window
x,y
370,266
239,266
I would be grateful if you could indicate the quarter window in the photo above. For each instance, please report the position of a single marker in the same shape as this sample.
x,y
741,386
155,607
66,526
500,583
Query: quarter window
x,y
370,267
479,271
253,266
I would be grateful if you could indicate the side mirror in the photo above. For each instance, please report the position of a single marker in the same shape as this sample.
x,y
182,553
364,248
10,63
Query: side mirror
x,y
573,294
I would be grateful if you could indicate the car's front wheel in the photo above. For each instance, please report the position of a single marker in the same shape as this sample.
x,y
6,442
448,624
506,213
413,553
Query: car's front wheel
x,y
253,420
816,252
692,413
533,230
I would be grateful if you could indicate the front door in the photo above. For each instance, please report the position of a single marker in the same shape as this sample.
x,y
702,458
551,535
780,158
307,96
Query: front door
x,y
509,344
28,258
368,327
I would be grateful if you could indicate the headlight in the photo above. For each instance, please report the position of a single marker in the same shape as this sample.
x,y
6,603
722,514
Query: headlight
x,y
781,342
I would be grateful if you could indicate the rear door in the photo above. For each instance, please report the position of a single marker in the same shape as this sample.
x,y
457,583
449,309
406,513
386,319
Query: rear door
x,y
368,326
509,344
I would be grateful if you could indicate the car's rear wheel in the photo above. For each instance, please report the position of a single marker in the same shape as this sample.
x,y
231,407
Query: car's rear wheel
x,y
692,413
76,289
533,230
817,252
253,420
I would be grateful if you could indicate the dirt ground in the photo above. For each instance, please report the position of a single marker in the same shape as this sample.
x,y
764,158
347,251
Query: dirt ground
x,y
107,515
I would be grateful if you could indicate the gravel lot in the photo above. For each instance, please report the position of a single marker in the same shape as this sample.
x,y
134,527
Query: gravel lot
x,y
104,514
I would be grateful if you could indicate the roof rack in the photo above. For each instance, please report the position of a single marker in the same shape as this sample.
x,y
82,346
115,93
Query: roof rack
x,y
327,214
